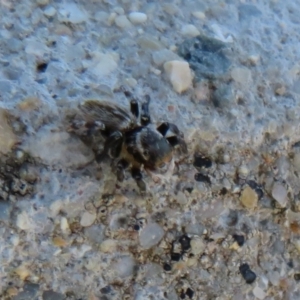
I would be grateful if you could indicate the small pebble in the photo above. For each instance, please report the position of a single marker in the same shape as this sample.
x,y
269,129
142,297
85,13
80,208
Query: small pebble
x,y
137,17
202,161
297,276
249,197
179,75
197,246
240,239
199,15
87,219
125,266
51,295
42,2
185,242
108,246
279,193
161,56
202,178
175,256
151,235
247,274
122,21
190,30
259,293
242,76
23,221
189,292
167,267
50,11
72,13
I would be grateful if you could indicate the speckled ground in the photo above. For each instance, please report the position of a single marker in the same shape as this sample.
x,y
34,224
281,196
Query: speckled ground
x,y
223,223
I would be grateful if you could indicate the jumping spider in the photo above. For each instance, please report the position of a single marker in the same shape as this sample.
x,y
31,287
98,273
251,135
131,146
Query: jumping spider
x,y
130,137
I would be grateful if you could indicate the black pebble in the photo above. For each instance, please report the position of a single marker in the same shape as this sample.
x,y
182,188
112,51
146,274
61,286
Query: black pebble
x,y
185,242
106,290
223,191
240,239
297,276
175,256
190,293
167,267
202,178
136,227
247,274
257,188
202,161
42,67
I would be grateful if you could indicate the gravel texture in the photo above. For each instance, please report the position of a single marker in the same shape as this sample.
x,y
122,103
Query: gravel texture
x,y
223,222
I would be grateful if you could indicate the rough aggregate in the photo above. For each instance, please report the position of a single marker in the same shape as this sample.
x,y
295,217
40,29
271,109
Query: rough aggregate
x,y
224,223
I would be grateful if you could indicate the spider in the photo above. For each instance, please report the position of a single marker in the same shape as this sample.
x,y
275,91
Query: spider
x,y
130,136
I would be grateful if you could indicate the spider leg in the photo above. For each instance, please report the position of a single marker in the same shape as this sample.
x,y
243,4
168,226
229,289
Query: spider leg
x,y
134,107
138,177
163,128
112,146
173,140
120,168
145,115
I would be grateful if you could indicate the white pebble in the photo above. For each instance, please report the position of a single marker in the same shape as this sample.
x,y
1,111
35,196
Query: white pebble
x,y
42,2
190,30
108,246
50,11
119,10
241,76
122,21
71,12
64,225
179,74
259,293
87,219
199,15
279,193
104,64
137,17
23,221
151,235
36,48
197,246
124,267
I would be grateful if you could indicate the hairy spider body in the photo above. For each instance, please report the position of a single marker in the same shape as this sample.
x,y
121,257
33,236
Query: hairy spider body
x,y
133,143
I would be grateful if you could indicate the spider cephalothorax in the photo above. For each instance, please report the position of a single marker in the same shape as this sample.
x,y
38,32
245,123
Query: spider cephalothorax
x,y
130,136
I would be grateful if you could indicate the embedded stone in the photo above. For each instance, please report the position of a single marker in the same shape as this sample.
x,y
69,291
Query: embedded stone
x,y
249,197
179,75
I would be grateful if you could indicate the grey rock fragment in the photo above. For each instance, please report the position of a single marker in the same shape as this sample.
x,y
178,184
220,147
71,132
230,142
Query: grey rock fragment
x,y
279,193
125,266
206,56
194,228
73,13
161,56
51,295
5,210
30,291
151,235
248,11
223,96
95,233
